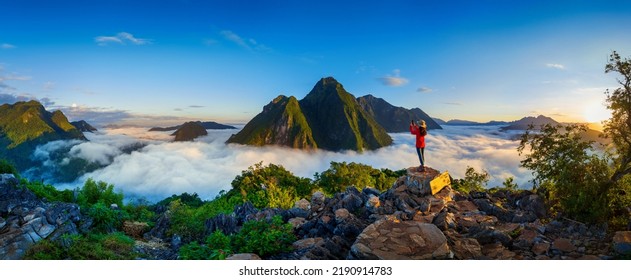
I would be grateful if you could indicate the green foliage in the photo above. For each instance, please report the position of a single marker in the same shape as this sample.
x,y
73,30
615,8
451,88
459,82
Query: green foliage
x,y
270,186
189,222
140,212
568,170
341,175
95,192
106,219
473,181
7,168
264,238
194,251
115,246
48,192
187,199
618,127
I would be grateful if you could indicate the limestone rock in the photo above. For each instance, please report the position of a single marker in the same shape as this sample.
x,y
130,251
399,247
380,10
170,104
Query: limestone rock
x,y
400,240
466,249
540,248
303,204
306,243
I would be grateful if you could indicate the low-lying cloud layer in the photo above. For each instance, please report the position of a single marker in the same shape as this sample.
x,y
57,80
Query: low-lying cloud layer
x,y
206,166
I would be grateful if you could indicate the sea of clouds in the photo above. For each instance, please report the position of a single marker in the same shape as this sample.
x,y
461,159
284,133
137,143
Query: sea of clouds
x,y
157,167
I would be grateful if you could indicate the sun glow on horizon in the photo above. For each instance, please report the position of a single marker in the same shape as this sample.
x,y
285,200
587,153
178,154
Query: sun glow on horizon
x,y
596,113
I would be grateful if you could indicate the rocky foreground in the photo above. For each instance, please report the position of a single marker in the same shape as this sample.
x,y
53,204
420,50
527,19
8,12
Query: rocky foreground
x,y
405,222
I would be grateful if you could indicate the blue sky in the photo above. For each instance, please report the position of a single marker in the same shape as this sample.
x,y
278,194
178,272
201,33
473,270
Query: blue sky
x,y
165,61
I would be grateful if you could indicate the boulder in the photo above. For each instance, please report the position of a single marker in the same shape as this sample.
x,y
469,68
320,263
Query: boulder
x,y
497,251
400,240
225,223
622,242
303,204
306,243
540,248
297,222
563,245
466,249
445,220
533,203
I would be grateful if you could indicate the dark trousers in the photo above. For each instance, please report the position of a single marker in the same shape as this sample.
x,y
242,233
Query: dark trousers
x,y
421,155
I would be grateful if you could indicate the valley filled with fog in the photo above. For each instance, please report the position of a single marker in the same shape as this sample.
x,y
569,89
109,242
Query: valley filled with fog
x,y
149,165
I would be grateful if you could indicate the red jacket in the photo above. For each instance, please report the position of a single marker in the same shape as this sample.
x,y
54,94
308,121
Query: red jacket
x,y
420,133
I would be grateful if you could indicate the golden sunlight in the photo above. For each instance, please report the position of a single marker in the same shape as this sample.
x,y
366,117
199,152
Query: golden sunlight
x,y
596,113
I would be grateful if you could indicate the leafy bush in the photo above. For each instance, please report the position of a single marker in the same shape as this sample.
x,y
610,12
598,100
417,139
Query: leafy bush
x,y
194,251
94,192
189,222
192,200
341,175
8,168
270,186
264,238
48,192
473,181
106,219
567,169
115,246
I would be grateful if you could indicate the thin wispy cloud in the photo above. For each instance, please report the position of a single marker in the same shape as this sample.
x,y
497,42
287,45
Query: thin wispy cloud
x,y
196,106
122,38
425,89
49,86
6,46
394,80
246,43
556,66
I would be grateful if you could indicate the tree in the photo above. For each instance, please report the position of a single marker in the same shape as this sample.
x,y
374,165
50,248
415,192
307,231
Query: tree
x,y
618,128
567,170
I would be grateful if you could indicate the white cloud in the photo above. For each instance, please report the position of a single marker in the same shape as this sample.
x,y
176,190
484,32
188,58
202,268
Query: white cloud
x,y
6,46
121,38
393,80
424,89
248,44
555,65
208,165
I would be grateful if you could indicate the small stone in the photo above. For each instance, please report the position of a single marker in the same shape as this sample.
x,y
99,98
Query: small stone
x,y
302,204
563,245
341,215
297,222
540,248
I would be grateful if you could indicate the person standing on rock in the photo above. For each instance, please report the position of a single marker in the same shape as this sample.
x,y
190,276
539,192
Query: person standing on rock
x,y
420,130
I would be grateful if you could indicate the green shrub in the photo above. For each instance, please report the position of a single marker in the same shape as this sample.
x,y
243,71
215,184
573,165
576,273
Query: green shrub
x,y
106,219
473,181
187,199
195,251
115,246
270,186
264,238
7,168
94,192
48,192
341,175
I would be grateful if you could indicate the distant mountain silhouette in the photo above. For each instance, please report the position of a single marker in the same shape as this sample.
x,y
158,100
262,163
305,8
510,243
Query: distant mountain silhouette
x,y
327,118
83,126
392,118
206,125
439,121
25,125
472,123
524,123
189,131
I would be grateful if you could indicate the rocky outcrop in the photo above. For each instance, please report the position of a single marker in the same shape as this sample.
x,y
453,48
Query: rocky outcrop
x,y
622,242
391,239
25,219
